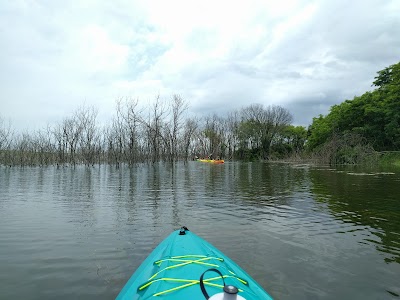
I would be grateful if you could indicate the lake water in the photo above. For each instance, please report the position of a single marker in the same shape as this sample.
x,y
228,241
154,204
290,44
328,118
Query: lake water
x,y
303,232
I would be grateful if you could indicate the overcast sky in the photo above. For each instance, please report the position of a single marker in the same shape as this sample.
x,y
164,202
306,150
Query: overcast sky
x,y
218,55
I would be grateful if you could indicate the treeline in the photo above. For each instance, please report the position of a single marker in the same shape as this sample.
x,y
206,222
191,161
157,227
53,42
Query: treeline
x,y
350,133
355,129
160,132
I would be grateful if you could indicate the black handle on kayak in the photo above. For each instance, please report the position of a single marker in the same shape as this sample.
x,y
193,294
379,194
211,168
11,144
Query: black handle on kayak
x,y
203,289
183,230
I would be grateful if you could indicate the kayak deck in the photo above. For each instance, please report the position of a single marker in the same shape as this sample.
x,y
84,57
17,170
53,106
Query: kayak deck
x,y
173,269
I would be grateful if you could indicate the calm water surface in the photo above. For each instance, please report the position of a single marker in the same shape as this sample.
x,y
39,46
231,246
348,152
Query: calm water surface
x,y
302,232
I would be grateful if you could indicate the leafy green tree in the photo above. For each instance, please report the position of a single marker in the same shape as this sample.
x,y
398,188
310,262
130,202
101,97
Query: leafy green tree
x,y
388,83
374,115
295,137
388,78
319,132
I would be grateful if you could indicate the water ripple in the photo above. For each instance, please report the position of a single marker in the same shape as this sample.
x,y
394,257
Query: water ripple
x,y
302,232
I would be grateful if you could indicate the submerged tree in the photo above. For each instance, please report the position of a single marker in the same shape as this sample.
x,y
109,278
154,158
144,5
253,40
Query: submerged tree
x,y
173,127
189,131
209,137
89,142
5,140
259,126
160,132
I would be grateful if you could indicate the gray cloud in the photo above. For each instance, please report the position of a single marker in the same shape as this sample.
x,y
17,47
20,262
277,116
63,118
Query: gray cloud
x,y
305,57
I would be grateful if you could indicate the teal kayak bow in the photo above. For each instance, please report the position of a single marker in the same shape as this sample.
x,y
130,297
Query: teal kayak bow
x,y
174,268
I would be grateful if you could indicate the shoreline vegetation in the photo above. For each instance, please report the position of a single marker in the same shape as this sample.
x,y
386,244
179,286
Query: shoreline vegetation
x,y
364,130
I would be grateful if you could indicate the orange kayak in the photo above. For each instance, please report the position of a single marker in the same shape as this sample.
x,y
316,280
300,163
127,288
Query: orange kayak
x,y
212,161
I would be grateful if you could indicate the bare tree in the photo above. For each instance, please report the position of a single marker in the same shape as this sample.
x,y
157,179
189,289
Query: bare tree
x,y
132,131
43,147
189,131
23,145
89,139
153,126
5,134
72,130
115,137
210,138
232,122
124,137
172,130
5,141
60,144
265,123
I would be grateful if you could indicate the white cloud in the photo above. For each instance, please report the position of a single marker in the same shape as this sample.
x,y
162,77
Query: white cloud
x,y
97,52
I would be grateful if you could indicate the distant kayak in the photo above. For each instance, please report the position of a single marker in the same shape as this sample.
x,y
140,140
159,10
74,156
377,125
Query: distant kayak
x,y
184,266
212,161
